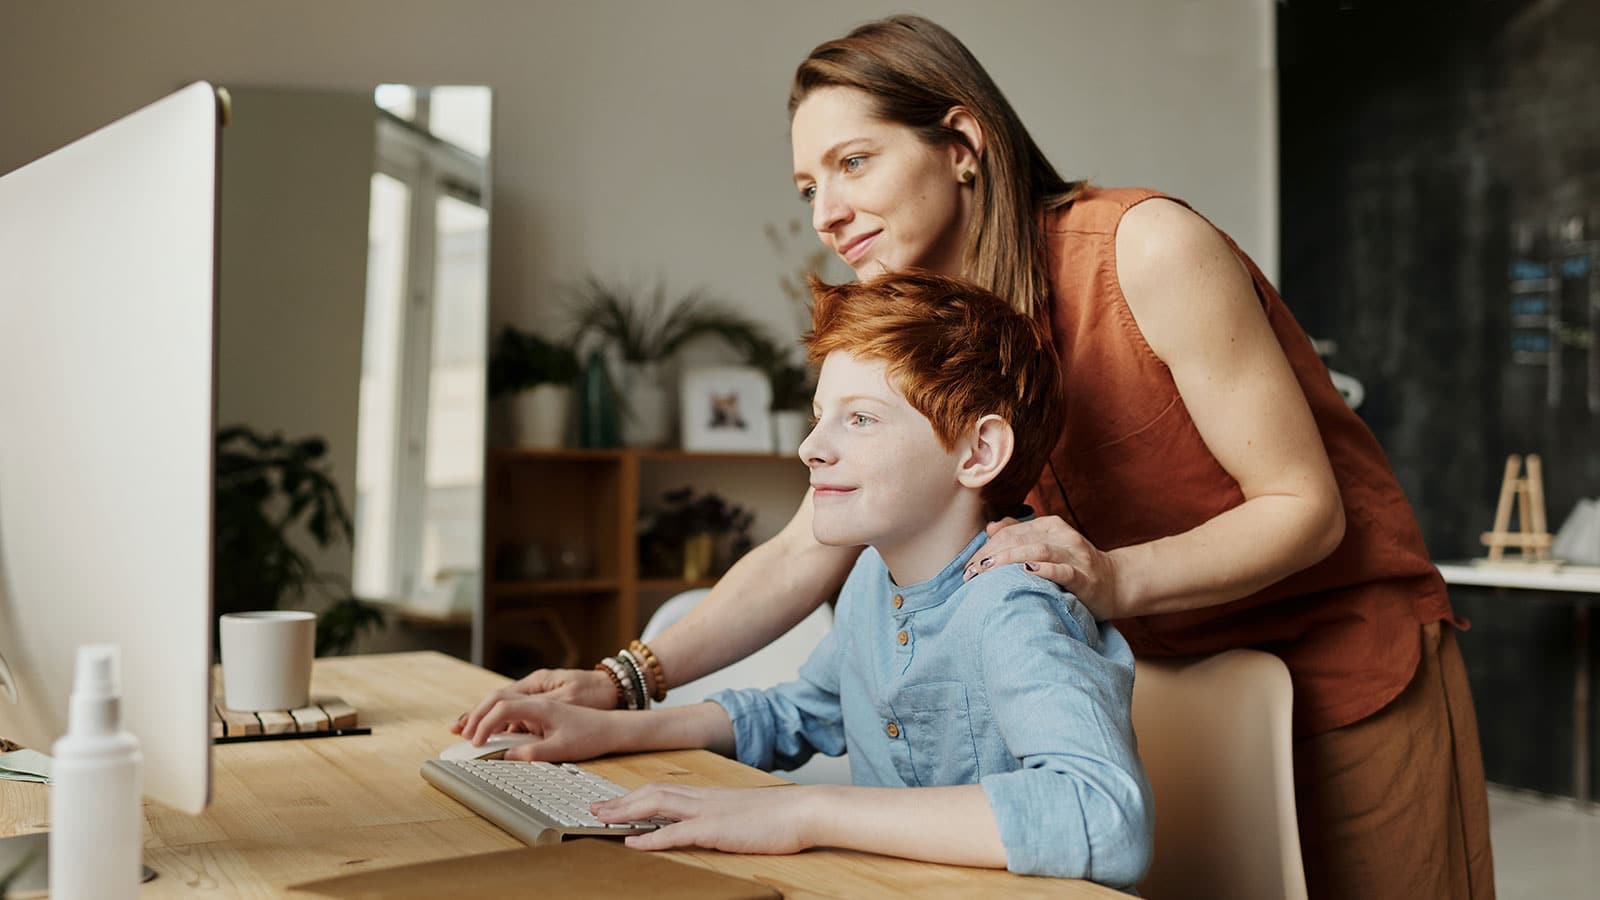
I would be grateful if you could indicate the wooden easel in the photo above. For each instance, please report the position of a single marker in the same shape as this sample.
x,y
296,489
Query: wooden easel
x,y
1532,537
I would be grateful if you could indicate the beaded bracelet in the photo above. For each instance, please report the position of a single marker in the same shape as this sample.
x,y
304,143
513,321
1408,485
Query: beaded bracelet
x,y
658,678
619,670
622,697
633,656
636,670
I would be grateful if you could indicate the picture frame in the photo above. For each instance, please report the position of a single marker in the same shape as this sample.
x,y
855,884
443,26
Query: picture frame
x,y
726,409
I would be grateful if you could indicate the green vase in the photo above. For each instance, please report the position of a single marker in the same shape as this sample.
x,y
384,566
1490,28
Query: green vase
x,y
600,426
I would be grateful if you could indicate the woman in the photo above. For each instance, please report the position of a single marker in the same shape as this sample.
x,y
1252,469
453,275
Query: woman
x,y
1210,490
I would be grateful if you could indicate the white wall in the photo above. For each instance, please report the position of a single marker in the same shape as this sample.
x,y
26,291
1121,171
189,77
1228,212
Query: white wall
x,y
293,267
644,139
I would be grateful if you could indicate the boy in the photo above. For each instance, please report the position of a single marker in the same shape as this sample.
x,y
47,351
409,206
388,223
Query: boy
x,y
999,700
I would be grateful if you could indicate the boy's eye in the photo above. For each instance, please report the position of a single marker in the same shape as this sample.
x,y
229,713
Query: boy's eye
x,y
808,193
859,419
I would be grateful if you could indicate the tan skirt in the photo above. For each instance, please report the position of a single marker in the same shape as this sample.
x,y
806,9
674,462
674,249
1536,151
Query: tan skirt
x,y
1395,805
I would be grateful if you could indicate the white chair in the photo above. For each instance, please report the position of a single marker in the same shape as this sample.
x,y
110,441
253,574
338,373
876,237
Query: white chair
x,y
773,664
1215,736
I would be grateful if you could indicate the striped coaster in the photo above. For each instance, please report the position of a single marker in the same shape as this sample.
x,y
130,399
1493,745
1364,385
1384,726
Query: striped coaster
x,y
323,714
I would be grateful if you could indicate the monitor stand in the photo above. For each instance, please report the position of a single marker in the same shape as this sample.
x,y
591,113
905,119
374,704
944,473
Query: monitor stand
x,y
25,866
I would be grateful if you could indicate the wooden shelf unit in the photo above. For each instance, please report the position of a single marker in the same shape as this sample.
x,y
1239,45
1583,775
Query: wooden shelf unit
x,y
588,499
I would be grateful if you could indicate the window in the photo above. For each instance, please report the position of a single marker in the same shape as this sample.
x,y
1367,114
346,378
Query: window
x,y
419,468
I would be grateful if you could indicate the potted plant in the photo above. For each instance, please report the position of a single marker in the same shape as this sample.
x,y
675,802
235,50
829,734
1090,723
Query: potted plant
x,y
693,535
270,492
645,335
534,376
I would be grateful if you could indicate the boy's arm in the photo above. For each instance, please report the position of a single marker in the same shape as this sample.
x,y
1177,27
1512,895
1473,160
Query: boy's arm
x,y
1080,805
942,824
783,726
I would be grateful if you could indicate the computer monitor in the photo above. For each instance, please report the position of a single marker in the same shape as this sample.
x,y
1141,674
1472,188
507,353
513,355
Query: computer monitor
x,y
107,347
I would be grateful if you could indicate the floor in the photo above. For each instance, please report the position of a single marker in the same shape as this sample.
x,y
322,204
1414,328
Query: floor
x,y
1544,847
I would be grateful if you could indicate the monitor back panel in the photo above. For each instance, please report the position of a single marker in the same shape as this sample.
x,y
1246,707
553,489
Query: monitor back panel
x,y
107,342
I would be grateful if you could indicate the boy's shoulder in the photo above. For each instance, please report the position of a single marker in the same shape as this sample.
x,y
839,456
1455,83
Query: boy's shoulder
x,y
1014,589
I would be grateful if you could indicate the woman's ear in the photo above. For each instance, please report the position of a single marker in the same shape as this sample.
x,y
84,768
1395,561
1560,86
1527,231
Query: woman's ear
x,y
988,449
966,158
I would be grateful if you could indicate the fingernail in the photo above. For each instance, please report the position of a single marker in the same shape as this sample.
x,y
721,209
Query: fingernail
x,y
986,562
1030,567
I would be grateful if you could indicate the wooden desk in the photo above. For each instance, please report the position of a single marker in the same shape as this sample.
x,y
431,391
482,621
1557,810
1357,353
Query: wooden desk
x,y
1579,586
285,812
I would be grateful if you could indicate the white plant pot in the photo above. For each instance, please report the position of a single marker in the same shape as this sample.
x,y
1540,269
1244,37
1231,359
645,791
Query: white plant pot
x,y
539,415
647,406
789,427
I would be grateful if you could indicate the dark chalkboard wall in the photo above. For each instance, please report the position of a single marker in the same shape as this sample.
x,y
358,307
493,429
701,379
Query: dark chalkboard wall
x,y
1427,158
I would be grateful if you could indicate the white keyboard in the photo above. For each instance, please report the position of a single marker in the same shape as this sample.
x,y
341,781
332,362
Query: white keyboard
x,y
535,802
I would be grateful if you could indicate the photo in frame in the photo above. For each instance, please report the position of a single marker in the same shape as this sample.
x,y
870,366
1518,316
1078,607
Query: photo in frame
x,y
726,408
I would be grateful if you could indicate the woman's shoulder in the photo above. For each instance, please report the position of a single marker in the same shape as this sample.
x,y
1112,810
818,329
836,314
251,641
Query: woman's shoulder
x,y
1100,209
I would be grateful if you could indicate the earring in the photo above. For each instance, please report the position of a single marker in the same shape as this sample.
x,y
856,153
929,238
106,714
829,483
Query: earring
x,y
966,176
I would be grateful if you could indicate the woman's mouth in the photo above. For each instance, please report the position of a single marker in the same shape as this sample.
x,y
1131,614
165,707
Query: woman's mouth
x,y
853,250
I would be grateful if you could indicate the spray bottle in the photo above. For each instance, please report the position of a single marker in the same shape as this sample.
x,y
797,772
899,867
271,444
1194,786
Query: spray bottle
x,y
96,818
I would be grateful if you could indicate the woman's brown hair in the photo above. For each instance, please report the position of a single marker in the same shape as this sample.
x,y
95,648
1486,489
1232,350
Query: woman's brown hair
x,y
915,72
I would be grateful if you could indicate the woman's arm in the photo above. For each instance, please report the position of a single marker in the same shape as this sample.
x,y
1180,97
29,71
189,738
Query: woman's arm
x,y
762,596
1196,305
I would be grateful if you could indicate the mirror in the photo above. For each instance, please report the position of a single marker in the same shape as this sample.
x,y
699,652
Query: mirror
x,y
353,314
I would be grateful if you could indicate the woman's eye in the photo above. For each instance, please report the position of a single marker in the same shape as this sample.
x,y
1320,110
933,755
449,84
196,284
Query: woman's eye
x,y
808,193
860,420
854,163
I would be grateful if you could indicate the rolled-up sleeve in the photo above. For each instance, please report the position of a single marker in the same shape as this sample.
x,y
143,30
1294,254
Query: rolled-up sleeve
x,y
1079,806
782,727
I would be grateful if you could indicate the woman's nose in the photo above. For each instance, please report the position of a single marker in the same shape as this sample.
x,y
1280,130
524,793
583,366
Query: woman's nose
x,y
829,210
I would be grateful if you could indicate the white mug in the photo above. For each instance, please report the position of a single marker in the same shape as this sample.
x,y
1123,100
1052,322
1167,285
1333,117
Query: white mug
x,y
266,659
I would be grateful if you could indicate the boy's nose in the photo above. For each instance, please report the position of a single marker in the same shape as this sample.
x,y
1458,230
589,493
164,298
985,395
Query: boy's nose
x,y
814,451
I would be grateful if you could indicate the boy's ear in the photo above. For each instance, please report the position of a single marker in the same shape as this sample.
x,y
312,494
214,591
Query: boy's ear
x,y
988,448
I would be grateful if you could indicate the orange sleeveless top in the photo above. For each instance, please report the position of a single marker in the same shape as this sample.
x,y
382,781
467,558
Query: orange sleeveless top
x,y
1132,468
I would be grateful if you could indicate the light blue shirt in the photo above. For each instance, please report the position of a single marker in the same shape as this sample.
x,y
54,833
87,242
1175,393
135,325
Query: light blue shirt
x,y
1004,681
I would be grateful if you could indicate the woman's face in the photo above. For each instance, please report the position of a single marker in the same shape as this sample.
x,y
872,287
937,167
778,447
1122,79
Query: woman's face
x,y
880,198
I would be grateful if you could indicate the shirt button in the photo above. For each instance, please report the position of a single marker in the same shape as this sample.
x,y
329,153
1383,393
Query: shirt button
x,y
892,730
902,637
899,601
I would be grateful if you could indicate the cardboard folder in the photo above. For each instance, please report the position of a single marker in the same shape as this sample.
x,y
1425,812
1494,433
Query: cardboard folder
x,y
579,868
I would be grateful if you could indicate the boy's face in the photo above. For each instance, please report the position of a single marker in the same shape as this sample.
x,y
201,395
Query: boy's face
x,y
878,471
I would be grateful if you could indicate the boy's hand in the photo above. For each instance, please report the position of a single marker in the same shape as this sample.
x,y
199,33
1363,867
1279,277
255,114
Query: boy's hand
x,y
733,820
1051,548
566,732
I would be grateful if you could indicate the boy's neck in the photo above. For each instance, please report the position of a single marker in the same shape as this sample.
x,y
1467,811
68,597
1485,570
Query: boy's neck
x,y
918,557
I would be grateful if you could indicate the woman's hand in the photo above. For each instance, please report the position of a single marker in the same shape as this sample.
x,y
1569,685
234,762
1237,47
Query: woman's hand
x,y
734,820
566,732
1055,550
580,687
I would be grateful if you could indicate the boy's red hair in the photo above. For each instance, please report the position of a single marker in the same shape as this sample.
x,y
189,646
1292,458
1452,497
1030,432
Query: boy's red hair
x,y
957,353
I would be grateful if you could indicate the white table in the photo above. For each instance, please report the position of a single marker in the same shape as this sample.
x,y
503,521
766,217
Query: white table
x,y
1578,586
